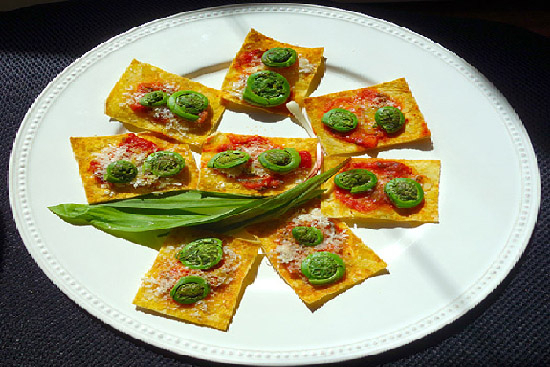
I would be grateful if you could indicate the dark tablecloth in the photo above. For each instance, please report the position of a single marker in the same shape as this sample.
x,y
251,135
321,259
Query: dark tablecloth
x,y
40,326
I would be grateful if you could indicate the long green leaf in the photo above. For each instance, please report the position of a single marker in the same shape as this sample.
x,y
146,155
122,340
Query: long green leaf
x,y
274,214
137,219
115,219
179,206
221,212
187,199
283,201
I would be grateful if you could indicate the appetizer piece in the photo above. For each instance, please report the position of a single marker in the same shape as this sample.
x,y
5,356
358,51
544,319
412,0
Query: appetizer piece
x,y
266,74
356,121
152,99
128,165
383,190
317,256
198,277
255,165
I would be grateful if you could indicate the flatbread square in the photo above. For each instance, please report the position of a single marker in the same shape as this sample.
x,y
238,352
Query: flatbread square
x,y
286,255
300,76
364,103
226,280
252,178
141,78
95,153
374,205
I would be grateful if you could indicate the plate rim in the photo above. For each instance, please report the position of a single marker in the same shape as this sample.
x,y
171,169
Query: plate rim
x,y
494,275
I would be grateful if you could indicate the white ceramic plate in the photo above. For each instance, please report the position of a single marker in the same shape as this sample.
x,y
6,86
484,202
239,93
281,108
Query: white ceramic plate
x,y
489,198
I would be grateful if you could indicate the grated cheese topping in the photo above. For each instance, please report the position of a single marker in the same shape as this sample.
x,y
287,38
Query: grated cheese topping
x,y
305,67
113,152
237,87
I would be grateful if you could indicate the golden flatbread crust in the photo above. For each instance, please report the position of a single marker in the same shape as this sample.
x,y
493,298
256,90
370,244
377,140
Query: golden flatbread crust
x,y
214,180
218,308
118,103
85,148
361,262
427,172
397,90
300,75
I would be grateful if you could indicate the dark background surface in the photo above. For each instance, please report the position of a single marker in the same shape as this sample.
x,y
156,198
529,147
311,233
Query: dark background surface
x,y
507,42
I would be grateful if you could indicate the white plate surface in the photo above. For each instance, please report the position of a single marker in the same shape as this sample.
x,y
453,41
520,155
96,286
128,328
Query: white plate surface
x,y
489,197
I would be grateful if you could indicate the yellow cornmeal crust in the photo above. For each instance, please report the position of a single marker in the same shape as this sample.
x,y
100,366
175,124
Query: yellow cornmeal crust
x,y
221,303
361,262
211,180
429,170
415,126
300,82
137,73
85,147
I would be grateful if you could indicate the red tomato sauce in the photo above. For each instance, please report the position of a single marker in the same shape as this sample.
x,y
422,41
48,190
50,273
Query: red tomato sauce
x,y
133,144
176,270
375,198
236,141
136,144
93,168
305,159
366,134
261,183
248,58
